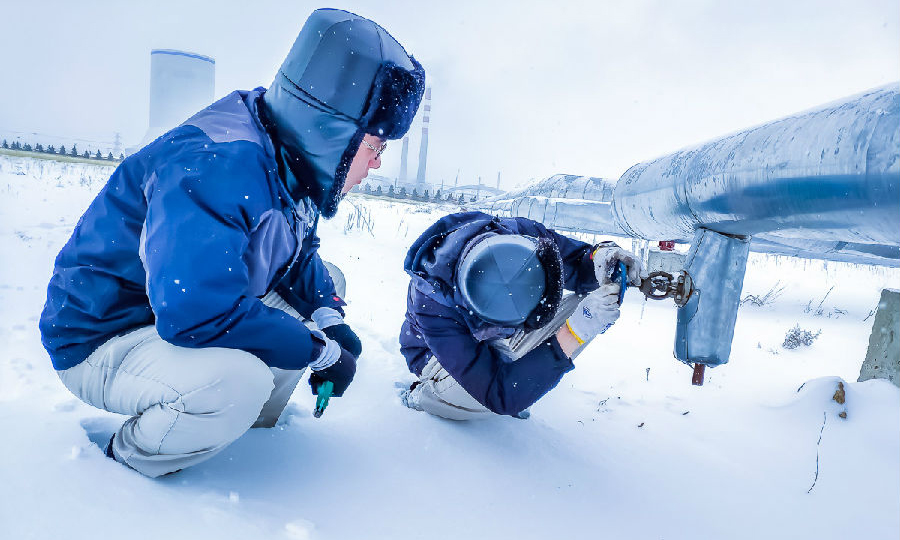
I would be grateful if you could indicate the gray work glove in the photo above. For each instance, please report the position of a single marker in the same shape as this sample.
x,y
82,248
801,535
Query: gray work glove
x,y
605,257
595,313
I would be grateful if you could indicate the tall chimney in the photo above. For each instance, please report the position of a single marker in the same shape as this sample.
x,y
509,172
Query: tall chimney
x,y
404,156
423,149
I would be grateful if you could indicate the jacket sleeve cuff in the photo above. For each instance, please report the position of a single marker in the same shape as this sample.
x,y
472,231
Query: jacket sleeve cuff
x,y
325,317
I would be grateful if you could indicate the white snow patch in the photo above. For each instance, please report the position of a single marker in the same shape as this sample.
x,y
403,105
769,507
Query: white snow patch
x,y
624,447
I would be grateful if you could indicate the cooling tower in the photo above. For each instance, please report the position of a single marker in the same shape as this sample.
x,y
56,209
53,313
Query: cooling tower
x,y
181,83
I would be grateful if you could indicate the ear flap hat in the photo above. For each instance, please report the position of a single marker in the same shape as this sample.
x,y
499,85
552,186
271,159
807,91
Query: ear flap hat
x,y
344,77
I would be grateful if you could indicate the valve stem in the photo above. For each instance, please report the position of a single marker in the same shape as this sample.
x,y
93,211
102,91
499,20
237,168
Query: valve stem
x,y
699,371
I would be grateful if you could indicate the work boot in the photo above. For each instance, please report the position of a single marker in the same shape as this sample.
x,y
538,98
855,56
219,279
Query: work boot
x,y
109,448
109,453
409,397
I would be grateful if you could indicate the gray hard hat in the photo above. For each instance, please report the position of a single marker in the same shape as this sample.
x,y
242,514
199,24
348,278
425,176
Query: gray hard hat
x,y
501,277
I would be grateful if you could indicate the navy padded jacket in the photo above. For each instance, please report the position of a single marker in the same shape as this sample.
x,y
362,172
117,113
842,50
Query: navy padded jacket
x,y
187,235
438,323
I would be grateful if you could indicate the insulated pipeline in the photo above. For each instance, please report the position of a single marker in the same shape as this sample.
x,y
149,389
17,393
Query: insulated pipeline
x,y
827,175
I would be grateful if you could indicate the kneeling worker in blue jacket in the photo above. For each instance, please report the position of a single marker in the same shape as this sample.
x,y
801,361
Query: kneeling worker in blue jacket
x,y
488,330
179,300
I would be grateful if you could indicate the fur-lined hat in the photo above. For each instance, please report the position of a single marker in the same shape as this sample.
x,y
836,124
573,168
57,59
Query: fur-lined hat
x,y
345,76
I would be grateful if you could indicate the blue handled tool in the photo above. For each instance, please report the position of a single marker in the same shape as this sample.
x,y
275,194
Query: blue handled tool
x,y
620,274
322,397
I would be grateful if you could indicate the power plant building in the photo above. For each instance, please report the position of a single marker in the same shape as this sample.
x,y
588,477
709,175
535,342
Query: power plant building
x,y
181,83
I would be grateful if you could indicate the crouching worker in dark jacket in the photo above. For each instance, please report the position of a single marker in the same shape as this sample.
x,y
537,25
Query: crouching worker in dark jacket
x,y
179,300
487,328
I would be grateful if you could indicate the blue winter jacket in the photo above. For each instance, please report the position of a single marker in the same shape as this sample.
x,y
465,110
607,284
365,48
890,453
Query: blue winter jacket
x,y
188,234
438,323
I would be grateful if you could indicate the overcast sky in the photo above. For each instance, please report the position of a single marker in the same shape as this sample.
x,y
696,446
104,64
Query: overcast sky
x,y
529,88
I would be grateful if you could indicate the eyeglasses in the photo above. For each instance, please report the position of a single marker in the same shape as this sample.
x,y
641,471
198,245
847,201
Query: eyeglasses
x,y
378,151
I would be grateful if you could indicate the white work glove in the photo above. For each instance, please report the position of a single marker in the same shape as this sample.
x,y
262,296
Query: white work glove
x,y
332,324
595,313
325,317
607,255
331,352
333,364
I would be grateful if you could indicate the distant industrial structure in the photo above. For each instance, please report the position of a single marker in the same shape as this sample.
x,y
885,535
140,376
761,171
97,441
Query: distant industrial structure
x,y
421,186
404,157
383,184
563,201
423,147
181,83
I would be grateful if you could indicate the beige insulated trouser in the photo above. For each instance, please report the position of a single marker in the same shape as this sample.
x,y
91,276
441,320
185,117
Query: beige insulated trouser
x,y
438,393
185,405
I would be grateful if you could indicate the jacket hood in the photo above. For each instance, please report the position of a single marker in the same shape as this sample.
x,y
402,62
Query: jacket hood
x,y
344,77
433,262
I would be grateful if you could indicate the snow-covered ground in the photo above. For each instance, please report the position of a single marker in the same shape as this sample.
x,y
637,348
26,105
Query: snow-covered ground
x,y
624,447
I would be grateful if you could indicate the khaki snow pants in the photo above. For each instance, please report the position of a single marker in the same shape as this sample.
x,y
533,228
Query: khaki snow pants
x,y
186,405
438,393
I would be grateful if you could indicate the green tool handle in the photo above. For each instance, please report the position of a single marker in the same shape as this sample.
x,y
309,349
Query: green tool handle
x,y
322,396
